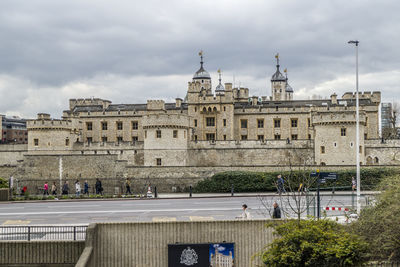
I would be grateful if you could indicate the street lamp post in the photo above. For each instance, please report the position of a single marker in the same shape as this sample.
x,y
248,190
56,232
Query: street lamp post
x,y
357,133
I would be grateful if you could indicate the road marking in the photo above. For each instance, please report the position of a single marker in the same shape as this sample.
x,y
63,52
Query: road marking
x,y
115,211
164,219
16,222
77,206
201,218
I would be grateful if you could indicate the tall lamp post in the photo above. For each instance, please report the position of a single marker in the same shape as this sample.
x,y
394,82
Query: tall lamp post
x,y
357,132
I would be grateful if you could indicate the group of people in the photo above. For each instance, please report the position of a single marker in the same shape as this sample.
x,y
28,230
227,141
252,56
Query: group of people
x,y
276,214
65,190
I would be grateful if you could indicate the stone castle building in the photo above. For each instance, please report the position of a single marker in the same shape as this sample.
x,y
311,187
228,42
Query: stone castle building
x,y
212,129
226,126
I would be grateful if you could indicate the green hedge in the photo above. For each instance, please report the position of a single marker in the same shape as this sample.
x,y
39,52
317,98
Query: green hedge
x,y
265,181
3,183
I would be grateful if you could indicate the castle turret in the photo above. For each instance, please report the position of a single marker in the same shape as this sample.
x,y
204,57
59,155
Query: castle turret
x,y
278,83
203,77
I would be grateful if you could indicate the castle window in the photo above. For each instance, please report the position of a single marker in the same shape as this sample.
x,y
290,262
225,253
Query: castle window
x,y
322,148
294,123
195,123
89,140
89,126
145,134
260,137
277,136
119,139
343,132
277,123
224,137
209,109
224,122
158,134
104,126
276,108
119,125
309,122
309,136
36,142
195,109
210,137
294,136
243,137
135,125
135,139
104,139
360,149
243,123
210,121
260,123
184,134
67,142
195,138
175,133
224,108
158,161
365,136
202,81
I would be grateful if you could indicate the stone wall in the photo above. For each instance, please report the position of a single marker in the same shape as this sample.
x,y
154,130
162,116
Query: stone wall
x,y
146,244
11,154
40,253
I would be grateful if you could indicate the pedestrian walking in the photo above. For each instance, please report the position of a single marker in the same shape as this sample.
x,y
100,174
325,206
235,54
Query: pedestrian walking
x,y
245,213
65,188
99,187
46,189
77,188
86,188
277,211
128,186
280,184
54,189
353,183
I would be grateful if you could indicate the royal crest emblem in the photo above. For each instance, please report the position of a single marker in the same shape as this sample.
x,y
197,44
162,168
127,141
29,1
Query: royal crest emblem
x,y
189,257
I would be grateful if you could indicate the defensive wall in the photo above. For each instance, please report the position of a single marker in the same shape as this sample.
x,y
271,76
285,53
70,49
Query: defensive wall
x,y
40,253
145,244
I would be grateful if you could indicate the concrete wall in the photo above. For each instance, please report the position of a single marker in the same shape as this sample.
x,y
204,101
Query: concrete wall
x,y
40,253
146,244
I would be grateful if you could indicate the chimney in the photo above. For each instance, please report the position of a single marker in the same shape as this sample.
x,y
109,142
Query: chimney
x,y
178,102
254,100
334,99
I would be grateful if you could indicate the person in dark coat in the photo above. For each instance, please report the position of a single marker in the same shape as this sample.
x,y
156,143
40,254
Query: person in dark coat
x,y
65,188
86,188
98,186
277,211
280,184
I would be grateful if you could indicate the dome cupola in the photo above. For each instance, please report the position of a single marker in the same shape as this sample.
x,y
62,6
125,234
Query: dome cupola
x,y
220,89
201,73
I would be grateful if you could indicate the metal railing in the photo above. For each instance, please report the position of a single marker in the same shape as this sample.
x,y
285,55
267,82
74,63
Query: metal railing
x,y
34,232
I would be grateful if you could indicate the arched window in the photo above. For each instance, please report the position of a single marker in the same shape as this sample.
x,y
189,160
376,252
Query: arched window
x,y
376,160
204,110
209,109
215,109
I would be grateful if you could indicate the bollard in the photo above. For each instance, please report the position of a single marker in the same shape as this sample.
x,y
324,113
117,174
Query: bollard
x,y
155,192
190,191
232,190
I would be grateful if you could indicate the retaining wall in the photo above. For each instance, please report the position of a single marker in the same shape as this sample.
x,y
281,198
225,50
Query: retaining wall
x,y
145,244
40,253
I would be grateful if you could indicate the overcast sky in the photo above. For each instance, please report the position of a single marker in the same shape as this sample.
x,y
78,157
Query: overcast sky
x,y
131,51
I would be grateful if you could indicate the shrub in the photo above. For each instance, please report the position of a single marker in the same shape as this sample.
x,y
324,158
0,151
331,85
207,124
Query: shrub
x,y
3,183
379,225
265,181
313,243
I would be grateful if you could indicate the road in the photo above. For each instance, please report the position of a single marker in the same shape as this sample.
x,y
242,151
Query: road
x,y
88,211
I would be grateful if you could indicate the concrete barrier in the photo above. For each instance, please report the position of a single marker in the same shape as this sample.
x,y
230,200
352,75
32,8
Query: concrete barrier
x,y
145,244
4,192
40,253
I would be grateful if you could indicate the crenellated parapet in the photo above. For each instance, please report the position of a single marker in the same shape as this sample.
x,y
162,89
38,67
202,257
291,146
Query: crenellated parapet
x,y
88,102
375,96
165,121
155,105
336,117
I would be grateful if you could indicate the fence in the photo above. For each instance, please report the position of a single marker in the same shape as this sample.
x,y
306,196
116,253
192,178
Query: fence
x,y
29,233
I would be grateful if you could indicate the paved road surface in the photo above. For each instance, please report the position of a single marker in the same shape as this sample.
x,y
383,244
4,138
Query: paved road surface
x,y
84,212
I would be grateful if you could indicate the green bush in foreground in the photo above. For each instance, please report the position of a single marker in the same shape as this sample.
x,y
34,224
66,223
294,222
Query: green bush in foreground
x,y
243,181
379,225
313,243
3,183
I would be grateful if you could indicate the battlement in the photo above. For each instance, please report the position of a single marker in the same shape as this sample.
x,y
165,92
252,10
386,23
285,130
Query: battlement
x,y
155,105
337,117
49,123
374,96
165,121
88,102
